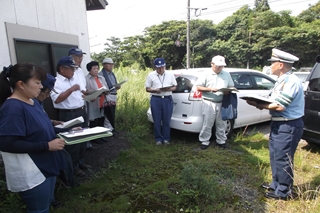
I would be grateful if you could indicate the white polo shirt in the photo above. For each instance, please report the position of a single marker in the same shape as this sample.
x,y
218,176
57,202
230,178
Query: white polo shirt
x,y
74,100
155,81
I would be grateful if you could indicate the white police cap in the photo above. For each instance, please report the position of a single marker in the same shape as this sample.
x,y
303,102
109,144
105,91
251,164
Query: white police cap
x,y
278,55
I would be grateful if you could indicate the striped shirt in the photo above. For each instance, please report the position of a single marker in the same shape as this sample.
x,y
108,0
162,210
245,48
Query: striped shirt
x,y
288,93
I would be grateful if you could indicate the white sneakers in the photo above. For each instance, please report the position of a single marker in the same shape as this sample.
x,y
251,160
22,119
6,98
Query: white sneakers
x,y
165,142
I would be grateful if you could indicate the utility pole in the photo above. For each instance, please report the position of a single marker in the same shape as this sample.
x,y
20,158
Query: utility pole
x,y
188,36
188,30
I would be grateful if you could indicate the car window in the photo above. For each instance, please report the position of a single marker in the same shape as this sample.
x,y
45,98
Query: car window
x,y
302,76
263,83
314,84
184,84
242,81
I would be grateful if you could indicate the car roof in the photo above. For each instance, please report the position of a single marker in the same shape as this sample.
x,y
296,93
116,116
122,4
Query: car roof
x,y
306,73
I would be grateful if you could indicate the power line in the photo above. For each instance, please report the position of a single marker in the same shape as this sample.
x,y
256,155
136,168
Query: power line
x,y
227,8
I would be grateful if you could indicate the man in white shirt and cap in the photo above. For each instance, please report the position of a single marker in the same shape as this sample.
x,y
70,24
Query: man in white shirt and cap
x,y
160,84
286,110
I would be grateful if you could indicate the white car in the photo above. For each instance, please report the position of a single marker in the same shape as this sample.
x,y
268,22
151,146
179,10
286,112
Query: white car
x,y
303,77
187,115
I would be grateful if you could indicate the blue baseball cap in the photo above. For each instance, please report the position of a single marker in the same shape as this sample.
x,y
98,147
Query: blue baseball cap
x,y
75,51
49,82
159,62
67,61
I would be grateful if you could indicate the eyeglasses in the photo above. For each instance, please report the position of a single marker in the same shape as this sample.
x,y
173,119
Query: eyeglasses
x,y
70,68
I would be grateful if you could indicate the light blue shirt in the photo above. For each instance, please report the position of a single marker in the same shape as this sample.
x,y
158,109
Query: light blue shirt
x,y
213,80
288,93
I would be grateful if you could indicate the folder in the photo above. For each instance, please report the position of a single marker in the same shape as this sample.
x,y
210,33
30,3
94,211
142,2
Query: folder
x,y
85,135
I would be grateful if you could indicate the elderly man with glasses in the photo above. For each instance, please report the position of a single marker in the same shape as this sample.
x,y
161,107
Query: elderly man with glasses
x,y
71,105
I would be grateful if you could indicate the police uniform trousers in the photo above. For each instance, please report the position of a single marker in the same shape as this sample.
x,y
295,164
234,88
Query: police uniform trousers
x,y
283,142
76,151
211,112
161,109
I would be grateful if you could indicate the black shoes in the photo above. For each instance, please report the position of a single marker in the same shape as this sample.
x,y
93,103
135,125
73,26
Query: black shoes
x,y
272,195
223,146
266,186
84,166
79,173
55,203
203,147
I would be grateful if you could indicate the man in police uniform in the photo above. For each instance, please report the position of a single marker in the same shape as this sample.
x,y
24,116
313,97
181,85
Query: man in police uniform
x,y
209,84
160,84
286,125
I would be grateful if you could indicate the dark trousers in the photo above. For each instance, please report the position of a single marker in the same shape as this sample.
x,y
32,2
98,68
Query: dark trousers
x,y
161,109
97,122
39,198
76,151
110,112
283,142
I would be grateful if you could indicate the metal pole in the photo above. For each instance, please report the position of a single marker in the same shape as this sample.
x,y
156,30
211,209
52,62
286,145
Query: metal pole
x,y
188,36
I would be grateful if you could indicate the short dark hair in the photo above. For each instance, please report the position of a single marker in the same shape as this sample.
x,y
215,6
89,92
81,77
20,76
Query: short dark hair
x,y
19,72
91,64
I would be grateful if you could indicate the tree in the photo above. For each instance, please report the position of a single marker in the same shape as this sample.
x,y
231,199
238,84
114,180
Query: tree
x,y
311,14
261,5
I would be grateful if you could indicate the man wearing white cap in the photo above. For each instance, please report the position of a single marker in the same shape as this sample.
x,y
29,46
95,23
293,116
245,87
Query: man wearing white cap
x,y
209,84
286,110
111,102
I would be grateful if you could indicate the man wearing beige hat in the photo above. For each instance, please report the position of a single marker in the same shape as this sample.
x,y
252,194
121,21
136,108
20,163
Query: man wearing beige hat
x,y
286,109
110,108
209,84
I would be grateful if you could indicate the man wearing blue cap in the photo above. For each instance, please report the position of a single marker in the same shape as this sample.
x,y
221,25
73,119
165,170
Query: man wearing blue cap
x,y
286,110
71,105
160,84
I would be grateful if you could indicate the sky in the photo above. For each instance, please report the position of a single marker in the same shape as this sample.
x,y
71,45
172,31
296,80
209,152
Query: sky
x,y
124,18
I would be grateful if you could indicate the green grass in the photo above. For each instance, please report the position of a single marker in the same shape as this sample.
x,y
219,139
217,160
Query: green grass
x,y
181,177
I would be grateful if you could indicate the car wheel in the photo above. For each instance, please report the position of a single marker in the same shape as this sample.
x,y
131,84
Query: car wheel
x,y
229,128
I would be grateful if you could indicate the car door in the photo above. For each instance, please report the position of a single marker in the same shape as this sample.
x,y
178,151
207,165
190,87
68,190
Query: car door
x,y
263,85
251,83
312,101
246,113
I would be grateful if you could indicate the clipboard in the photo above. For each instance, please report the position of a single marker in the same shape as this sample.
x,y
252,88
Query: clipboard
x,y
228,89
257,98
85,135
167,87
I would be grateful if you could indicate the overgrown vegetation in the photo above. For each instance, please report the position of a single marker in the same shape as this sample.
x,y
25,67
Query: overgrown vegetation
x,y
181,177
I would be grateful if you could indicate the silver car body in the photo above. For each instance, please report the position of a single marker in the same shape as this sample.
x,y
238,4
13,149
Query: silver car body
x,y
187,114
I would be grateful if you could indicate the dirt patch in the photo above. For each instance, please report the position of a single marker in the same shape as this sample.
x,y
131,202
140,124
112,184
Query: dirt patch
x,y
101,154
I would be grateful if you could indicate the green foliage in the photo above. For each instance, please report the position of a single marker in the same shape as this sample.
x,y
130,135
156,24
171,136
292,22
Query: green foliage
x,y
244,38
311,14
261,5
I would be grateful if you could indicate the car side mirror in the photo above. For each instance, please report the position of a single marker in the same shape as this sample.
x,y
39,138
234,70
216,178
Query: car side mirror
x,y
318,59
